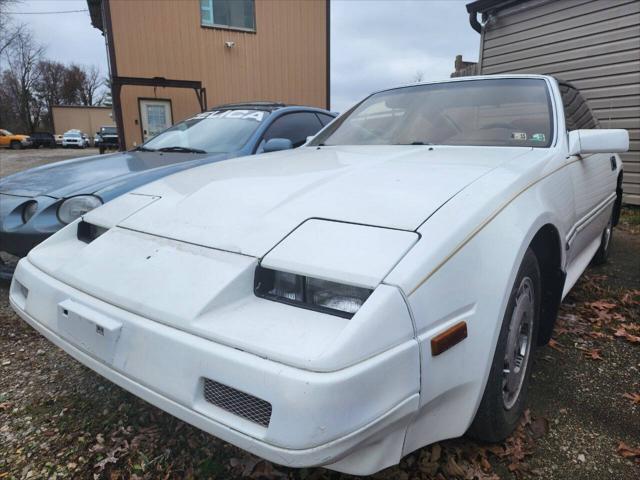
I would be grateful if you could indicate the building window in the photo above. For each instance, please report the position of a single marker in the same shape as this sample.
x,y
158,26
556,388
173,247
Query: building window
x,y
233,14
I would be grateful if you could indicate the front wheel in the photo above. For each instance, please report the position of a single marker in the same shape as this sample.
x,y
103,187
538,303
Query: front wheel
x,y
505,394
16,145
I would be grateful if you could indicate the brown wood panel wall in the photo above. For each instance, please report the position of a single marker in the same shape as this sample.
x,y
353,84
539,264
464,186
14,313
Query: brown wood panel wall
x,y
284,60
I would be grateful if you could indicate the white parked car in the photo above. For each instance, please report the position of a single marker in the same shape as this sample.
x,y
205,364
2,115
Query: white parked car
x,y
343,304
75,138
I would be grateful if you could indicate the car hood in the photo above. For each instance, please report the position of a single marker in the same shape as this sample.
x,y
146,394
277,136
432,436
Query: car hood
x,y
90,174
248,205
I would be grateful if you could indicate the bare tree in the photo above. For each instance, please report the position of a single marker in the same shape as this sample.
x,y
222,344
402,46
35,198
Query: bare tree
x,y
9,30
81,85
22,76
418,76
51,76
91,83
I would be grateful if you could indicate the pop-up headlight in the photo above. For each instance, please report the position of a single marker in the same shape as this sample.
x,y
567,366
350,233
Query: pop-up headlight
x,y
312,293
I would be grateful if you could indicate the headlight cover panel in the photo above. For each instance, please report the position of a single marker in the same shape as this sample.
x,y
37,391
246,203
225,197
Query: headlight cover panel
x,y
346,253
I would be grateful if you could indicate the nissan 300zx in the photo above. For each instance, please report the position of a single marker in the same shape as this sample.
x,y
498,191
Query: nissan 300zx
x,y
343,304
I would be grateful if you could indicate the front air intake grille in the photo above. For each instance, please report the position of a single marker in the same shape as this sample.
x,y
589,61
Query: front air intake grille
x,y
237,402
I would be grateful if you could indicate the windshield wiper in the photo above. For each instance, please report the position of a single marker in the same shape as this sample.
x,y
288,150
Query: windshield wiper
x,y
181,150
143,149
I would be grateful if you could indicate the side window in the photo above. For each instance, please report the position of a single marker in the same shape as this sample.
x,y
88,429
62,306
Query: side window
x,y
576,111
232,14
294,126
325,119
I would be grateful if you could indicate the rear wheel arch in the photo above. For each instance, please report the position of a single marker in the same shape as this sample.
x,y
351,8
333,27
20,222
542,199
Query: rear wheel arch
x,y
547,246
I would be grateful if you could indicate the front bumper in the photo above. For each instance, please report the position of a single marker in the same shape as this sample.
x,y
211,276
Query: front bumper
x,y
353,420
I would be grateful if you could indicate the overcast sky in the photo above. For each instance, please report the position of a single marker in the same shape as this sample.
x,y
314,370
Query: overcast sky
x,y
374,44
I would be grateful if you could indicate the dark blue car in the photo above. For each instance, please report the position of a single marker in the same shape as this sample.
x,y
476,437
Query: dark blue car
x,y
36,203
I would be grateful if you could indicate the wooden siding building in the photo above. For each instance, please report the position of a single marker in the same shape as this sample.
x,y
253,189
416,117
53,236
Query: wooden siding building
x,y
86,119
173,58
594,44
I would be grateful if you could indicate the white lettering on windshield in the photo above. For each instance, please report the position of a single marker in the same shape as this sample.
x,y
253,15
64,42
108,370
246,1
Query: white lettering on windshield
x,y
243,114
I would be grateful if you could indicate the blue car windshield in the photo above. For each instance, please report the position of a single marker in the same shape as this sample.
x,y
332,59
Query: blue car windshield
x,y
219,131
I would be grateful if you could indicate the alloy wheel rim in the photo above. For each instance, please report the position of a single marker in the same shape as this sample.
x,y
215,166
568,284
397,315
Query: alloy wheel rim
x,y
519,340
607,236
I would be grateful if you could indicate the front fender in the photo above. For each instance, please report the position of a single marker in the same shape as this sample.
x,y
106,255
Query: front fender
x,y
471,283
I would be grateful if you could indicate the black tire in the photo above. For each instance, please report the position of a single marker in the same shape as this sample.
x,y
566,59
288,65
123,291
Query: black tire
x,y
602,255
16,145
495,420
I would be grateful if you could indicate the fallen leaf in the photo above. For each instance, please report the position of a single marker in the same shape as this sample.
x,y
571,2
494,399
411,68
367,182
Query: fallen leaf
x,y
632,338
556,346
435,452
539,427
634,397
592,354
602,305
627,451
453,469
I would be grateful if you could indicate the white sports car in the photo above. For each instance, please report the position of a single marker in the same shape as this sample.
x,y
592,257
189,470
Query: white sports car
x,y
343,304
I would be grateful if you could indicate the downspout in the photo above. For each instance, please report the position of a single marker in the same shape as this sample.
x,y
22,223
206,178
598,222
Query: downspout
x,y
113,73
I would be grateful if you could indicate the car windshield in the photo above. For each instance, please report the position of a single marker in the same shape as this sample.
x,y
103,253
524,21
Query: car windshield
x,y
496,112
108,130
6,132
219,131
73,135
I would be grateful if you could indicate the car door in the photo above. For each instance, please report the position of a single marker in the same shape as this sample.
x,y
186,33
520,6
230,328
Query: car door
x,y
4,139
295,126
593,179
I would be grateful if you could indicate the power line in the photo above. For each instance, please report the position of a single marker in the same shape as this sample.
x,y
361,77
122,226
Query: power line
x,y
47,13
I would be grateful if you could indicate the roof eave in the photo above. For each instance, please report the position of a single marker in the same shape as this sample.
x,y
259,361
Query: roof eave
x,y
95,12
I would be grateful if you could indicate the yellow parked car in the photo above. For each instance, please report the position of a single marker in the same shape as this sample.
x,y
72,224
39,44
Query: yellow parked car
x,y
16,142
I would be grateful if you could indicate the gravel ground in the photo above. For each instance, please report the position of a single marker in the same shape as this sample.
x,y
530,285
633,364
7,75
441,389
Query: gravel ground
x,y
12,161
60,420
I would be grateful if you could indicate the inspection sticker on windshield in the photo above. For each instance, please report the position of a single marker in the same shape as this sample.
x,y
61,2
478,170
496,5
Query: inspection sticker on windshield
x,y
537,137
256,115
519,136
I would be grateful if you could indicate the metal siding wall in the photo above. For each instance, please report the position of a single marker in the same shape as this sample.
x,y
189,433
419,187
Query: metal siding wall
x,y
594,44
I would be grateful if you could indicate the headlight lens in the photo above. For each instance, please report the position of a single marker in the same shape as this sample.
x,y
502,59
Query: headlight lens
x,y
29,210
75,207
313,293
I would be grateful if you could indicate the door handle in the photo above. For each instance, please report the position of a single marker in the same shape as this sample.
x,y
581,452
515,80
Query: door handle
x,y
613,162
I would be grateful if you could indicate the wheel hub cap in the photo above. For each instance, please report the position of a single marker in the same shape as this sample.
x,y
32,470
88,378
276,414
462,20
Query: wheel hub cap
x,y
519,341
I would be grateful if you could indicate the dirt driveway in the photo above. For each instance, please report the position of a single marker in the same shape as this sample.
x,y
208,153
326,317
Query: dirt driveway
x,y
12,161
59,419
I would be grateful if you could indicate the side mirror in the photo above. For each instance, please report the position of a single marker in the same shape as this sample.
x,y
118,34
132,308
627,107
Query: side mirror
x,y
583,142
277,144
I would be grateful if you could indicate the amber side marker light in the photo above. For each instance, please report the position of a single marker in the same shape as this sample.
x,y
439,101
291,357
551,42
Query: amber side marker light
x,y
447,339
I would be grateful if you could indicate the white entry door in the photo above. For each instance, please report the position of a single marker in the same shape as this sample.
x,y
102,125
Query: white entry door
x,y
156,116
